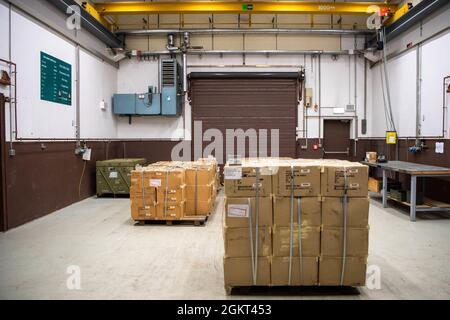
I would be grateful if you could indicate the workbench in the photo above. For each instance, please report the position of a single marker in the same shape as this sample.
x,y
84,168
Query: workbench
x,y
415,170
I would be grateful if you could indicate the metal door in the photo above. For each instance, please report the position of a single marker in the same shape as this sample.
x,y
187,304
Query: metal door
x,y
336,139
257,101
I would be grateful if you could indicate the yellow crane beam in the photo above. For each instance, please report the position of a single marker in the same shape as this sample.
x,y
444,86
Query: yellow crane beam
x,y
399,13
94,13
275,7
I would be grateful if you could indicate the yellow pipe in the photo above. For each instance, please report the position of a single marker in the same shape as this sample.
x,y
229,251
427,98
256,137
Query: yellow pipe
x,y
238,7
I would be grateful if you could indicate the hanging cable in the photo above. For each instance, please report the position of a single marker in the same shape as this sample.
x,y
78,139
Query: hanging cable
x,y
386,112
386,76
81,179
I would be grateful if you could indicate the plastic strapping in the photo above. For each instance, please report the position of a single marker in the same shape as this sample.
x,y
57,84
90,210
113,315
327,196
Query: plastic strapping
x,y
300,240
143,190
166,193
250,224
196,192
291,239
256,225
344,236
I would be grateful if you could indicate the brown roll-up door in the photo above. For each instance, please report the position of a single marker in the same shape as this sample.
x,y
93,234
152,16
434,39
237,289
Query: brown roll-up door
x,y
256,102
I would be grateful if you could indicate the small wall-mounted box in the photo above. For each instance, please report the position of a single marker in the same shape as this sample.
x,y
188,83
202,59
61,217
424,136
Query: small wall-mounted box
x,y
308,97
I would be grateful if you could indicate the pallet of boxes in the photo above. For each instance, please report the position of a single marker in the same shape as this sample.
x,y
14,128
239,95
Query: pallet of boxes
x,y
324,201
173,191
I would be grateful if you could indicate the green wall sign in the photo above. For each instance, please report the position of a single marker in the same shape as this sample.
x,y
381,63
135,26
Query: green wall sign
x,y
56,80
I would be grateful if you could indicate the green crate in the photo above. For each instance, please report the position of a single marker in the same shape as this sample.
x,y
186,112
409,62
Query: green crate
x,y
399,195
114,176
419,197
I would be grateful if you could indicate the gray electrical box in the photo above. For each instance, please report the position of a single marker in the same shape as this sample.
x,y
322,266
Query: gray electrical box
x,y
141,104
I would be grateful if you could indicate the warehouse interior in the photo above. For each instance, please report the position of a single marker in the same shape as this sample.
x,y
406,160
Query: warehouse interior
x,y
167,81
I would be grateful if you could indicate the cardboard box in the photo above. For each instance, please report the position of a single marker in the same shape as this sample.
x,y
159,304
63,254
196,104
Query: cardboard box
x,y
330,271
200,174
237,212
357,242
201,208
200,192
238,272
306,179
141,210
375,185
147,193
357,212
371,157
170,211
173,195
310,241
162,176
310,211
140,179
240,181
238,243
280,271
333,179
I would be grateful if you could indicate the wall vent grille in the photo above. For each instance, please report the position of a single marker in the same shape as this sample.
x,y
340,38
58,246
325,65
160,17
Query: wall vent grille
x,y
168,73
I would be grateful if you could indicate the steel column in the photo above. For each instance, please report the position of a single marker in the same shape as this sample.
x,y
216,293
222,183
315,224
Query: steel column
x,y
412,213
384,191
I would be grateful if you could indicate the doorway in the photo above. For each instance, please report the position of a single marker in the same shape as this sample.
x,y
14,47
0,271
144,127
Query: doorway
x,y
336,139
247,101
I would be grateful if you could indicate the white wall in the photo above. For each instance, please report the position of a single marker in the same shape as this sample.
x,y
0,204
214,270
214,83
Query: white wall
x,y
402,71
98,82
337,84
38,119
4,35
435,66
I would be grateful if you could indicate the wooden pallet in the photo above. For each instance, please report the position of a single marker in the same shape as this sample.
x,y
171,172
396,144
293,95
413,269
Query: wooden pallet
x,y
195,220
427,203
292,290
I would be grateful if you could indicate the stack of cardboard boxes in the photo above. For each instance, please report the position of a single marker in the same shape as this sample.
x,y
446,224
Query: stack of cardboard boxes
x,y
173,190
345,224
248,223
201,188
301,226
158,192
297,221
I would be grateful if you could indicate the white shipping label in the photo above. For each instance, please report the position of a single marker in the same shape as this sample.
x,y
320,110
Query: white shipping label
x,y
306,185
113,175
155,182
238,210
305,171
232,173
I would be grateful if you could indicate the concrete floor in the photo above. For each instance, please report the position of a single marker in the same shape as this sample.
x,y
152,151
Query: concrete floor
x,y
121,261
